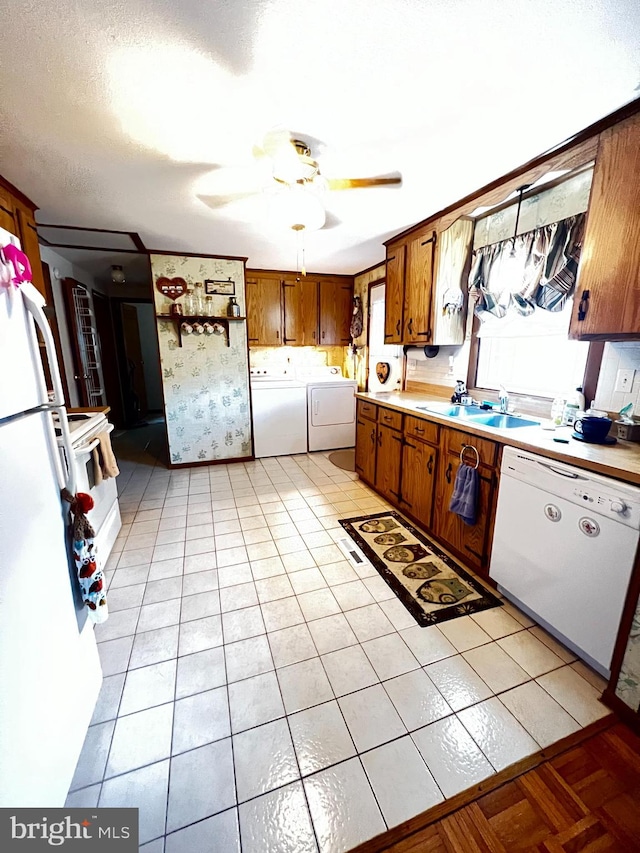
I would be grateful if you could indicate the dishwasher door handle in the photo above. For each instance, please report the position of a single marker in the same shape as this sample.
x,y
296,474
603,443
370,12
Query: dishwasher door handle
x,y
570,474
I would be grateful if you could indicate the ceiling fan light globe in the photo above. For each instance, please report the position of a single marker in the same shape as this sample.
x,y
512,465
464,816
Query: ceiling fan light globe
x,y
297,206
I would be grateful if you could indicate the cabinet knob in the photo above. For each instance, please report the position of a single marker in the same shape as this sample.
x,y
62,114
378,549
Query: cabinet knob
x,y
398,327
410,326
447,473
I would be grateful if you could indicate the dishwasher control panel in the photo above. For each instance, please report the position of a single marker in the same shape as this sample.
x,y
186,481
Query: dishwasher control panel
x,y
597,494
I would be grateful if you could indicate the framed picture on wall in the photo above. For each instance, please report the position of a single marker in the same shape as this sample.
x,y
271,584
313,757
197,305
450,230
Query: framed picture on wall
x,y
226,288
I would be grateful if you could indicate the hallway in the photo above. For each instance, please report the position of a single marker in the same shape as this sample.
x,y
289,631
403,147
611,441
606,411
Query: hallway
x,y
262,693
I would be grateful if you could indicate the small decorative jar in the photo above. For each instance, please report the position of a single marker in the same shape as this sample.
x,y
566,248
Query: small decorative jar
x,y
189,302
233,309
199,298
209,310
176,309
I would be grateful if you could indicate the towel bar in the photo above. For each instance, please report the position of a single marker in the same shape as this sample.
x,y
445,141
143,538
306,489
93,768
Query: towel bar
x,y
475,450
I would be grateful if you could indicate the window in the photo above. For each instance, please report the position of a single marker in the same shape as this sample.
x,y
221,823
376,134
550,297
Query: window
x,y
531,355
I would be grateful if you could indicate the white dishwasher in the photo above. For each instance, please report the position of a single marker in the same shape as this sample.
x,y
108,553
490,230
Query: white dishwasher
x,y
563,549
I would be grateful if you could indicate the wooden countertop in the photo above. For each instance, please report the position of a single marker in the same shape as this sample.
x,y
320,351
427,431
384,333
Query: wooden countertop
x,y
620,460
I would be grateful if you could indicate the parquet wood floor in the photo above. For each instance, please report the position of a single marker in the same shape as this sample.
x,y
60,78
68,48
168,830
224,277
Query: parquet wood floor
x,y
585,800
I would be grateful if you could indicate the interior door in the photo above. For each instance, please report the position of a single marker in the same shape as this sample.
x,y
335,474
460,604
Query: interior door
x,y
135,363
84,343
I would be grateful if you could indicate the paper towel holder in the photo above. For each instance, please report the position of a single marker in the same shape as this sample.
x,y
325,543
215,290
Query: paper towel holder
x,y
429,351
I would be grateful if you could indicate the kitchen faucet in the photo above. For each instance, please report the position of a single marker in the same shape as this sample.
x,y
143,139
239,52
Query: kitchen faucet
x,y
504,400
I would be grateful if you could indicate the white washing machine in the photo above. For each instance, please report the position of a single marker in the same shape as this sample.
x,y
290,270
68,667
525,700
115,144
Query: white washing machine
x,y
279,405
331,409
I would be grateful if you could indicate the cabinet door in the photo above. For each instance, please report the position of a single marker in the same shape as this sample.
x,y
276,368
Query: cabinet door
x,y
607,297
418,280
418,478
309,312
469,541
388,461
7,213
264,316
336,301
366,449
394,295
291,313
31,247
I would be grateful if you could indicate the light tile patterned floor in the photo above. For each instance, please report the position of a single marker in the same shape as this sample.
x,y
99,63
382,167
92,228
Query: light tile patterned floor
x,y
263,695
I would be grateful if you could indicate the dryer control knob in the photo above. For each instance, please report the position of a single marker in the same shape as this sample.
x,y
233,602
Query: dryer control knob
x,y
618,506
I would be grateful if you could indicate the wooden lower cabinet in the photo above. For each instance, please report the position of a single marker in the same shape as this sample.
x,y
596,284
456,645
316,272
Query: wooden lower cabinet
x,y
366,435
419,462
469,541
388,462
416,470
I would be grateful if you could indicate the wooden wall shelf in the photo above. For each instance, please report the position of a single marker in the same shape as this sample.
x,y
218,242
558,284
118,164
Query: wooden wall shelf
x,y
200,318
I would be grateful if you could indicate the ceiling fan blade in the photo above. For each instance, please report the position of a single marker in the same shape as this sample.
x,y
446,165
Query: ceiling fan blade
x,y
331,221
217,201
360,183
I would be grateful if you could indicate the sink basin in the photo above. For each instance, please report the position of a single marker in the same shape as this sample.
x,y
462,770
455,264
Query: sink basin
x,y
449,410
502,421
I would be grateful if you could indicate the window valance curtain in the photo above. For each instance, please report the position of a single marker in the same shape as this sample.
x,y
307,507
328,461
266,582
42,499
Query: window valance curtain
x,y
537,270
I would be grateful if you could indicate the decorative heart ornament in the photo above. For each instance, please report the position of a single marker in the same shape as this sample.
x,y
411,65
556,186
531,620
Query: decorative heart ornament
x,y
383,368
173,288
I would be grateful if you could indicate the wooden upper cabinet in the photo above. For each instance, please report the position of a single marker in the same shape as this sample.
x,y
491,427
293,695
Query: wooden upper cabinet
x,y
30,246
16,216
607,298
336,302
264,315
7,213
394,294
418,280
300,311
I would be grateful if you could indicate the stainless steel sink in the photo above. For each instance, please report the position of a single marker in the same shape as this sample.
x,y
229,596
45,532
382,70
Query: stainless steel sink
x,y
449,410
502,421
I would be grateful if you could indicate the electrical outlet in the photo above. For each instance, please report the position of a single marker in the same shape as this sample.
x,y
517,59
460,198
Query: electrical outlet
x,y
624,380
412,365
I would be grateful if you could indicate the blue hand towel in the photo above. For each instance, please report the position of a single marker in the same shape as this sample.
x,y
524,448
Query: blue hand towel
x,y
464,500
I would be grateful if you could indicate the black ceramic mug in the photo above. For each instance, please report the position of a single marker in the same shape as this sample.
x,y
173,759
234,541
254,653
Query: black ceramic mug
x,y
592,427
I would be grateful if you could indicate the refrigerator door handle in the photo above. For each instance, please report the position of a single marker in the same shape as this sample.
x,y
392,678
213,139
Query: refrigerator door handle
x,y
34,302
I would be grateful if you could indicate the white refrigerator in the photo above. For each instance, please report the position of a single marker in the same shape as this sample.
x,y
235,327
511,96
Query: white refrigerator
x,y
50,672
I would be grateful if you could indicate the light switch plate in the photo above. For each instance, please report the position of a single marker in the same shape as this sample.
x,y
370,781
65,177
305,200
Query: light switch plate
x,y
624,380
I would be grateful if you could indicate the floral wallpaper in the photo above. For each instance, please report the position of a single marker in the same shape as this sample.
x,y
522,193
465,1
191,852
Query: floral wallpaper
x,y
628,688
206,383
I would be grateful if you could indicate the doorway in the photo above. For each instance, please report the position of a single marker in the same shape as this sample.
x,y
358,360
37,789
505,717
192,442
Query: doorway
x,y
140,377
385,360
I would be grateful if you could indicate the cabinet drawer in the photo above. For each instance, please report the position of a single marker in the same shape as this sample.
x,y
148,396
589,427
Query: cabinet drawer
x,y
456,441
390,418
367,410
419,428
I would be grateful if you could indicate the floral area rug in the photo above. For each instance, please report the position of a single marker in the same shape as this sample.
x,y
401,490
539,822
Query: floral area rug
x,y
432,586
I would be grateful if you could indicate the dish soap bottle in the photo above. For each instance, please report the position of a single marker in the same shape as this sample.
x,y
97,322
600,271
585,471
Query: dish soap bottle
x,y
557,410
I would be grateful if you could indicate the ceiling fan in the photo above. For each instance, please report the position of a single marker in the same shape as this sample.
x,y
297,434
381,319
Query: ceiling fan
x,y
296,188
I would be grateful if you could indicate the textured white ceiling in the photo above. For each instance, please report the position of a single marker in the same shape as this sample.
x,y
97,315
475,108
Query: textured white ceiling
x,y
119,114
